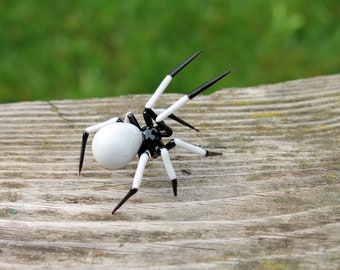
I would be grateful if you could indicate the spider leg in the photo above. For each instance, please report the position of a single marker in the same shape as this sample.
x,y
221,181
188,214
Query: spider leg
x,y
89,130
164,84
143,160
169,169
130,118
150,114
183,100
181,121
190,147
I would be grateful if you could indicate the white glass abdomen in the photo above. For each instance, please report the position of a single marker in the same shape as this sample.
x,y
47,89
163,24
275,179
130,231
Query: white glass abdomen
x,y
115,145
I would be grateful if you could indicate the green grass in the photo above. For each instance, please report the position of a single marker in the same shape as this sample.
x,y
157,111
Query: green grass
x,y
95,48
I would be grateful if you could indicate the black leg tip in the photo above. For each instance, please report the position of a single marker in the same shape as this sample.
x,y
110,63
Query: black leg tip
x,y
127,196
174,186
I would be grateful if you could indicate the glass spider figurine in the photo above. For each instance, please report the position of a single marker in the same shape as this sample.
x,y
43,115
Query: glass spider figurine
x,y
117,142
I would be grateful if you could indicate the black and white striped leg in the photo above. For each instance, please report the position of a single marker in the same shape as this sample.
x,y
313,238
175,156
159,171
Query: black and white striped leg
x,y
190,147
143,160
169,169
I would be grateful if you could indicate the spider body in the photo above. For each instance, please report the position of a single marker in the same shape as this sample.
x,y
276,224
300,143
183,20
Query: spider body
x,y
116,142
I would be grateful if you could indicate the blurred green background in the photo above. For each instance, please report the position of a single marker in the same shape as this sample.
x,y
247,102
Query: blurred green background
x,y
61,49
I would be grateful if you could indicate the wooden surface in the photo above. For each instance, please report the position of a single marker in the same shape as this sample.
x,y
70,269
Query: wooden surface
x,y
270,202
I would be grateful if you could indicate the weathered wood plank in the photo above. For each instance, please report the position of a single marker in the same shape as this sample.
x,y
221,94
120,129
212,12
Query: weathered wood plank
x,y
270,202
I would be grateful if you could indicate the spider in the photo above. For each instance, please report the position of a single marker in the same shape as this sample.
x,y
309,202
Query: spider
x,y
117,142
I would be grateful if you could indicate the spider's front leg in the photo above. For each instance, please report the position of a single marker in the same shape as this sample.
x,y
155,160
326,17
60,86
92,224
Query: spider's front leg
x,y
190,147
169,169
143,160
183,100
89,130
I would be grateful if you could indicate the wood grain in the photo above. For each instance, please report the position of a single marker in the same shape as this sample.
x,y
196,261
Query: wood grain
x,y
270,202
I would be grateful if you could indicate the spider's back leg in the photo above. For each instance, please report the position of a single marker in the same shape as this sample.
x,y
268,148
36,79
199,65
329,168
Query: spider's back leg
x,y
89,130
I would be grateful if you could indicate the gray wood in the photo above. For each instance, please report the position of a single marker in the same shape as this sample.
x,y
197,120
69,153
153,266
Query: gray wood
x,y
270,202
